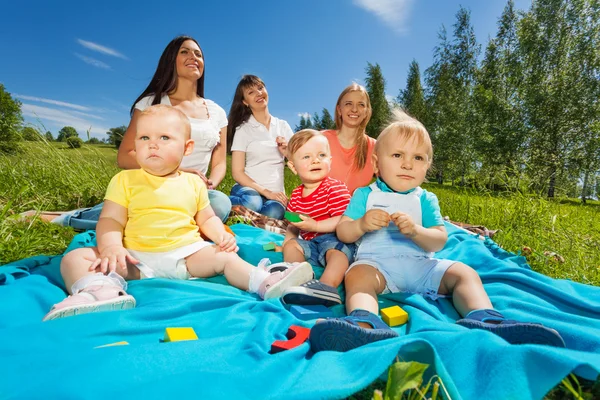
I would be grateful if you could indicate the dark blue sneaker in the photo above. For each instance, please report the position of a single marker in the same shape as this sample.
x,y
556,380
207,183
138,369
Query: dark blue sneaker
x,y
343,334
311,293
512,331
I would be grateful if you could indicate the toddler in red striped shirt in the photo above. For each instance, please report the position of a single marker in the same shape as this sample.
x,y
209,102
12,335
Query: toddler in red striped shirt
x,y
320,201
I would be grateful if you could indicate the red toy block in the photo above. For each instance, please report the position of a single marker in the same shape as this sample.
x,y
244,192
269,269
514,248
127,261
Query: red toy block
x,y
296,335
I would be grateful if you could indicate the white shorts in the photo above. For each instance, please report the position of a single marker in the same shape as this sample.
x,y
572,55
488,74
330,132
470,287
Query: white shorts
x,y
409,274
169,264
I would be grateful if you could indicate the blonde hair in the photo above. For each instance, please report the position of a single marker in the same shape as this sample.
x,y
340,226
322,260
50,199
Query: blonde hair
x,y
406,127
300,138
360,156
160,109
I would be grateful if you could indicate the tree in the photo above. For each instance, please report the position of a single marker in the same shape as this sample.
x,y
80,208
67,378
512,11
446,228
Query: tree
x,y
305,123
115,135
375,85
316,124
10,119
65,133
30,134
327,121
74,142
412,99
49,136
93,140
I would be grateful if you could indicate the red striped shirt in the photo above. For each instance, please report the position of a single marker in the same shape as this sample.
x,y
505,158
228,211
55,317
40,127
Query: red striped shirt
x,y
330,199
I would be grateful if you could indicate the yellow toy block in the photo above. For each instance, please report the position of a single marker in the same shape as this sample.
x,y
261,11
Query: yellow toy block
x,y
179,334
394,316
113,344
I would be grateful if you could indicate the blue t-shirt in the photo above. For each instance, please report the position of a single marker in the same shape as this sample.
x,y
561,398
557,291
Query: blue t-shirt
x,y
430,208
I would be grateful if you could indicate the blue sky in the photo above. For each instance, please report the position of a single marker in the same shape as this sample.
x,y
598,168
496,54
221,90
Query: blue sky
x,y
83,63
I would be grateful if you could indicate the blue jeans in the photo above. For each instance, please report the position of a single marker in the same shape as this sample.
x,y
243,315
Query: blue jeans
x,y
316,249
86,218
252,200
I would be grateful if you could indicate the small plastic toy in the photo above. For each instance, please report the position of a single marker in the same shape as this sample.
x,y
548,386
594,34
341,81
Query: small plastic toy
x,y
271,246
311,312
394,316
296,336
179,334
292,216
112,344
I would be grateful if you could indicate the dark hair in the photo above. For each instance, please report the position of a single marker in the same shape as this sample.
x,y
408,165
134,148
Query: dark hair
x,y
239,112
165,76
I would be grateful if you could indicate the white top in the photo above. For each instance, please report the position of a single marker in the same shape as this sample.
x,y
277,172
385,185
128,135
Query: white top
x,y
264,162
205,132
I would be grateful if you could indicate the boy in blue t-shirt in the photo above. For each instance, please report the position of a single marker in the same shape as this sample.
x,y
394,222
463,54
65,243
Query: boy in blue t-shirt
x,y
400,226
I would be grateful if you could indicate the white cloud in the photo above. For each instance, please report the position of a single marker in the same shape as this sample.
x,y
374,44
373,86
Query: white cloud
x,y
55,102
101,49
306,115
394,13
60,118
92,61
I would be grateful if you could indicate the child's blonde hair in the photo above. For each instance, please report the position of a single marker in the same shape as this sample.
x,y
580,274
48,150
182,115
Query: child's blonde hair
x,y
360,156
300,138
406,127
160,109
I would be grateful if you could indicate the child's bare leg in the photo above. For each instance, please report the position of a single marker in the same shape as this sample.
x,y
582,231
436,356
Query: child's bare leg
x,y
76,265
466,287
292,252
363,283
210,261
337,265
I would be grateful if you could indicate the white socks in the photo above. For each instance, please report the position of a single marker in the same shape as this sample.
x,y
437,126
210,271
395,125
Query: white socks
x,y
257,276
99,278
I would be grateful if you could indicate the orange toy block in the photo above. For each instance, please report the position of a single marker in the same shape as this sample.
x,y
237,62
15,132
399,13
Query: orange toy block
x,y
296,335
179,334
394,316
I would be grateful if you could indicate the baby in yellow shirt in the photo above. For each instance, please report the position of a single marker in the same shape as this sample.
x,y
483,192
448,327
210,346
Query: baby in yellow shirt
x,y
150,227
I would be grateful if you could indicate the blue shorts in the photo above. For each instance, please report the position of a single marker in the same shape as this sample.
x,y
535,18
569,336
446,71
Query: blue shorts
x,y
412,274
315,249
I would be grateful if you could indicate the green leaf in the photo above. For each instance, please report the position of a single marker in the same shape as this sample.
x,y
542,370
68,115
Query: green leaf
x,y
404,376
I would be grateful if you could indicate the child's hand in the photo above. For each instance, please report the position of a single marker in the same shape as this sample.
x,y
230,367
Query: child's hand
x,y
374,220
228,243
111,258
405,224
307,224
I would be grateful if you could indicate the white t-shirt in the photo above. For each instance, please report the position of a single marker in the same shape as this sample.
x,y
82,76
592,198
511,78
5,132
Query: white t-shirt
x,y
264,162
205,132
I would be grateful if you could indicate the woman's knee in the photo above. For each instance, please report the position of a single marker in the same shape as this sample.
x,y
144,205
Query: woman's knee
x,y
247,197
220,203
273,209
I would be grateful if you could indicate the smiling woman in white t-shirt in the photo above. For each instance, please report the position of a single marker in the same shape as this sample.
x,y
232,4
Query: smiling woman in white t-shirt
x,y
258,144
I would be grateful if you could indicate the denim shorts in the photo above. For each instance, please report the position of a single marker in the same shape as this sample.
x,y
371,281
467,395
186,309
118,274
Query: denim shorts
x,y
315,249
412,274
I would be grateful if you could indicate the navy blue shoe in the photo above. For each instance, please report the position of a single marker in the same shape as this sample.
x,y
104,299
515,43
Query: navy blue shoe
x,y
512,331
312,293
343,334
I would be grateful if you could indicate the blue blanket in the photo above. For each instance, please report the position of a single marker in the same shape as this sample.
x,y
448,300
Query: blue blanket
x,y
58,359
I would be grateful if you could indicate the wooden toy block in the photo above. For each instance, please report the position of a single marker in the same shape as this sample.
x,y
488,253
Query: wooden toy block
x,y
394,316
112,344
292,216
296,335
311,312
269,246
179,334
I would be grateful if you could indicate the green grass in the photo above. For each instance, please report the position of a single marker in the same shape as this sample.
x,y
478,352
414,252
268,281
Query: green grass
x,y
50,176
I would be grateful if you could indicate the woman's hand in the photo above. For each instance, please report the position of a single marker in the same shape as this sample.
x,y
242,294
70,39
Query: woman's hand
x,y
277,196
281,145
111,258
206,181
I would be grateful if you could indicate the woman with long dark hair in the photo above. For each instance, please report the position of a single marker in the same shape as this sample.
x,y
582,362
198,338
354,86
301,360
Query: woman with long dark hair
x,y
258,143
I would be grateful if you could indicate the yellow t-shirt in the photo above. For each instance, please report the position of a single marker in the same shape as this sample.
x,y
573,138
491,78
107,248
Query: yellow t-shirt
x,y
160,211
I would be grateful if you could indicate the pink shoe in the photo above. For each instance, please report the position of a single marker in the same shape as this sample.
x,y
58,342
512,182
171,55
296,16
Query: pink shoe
x,y
92,299
283,276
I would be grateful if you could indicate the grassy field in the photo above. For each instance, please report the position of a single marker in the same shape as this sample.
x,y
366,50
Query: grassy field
x,y
563,235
